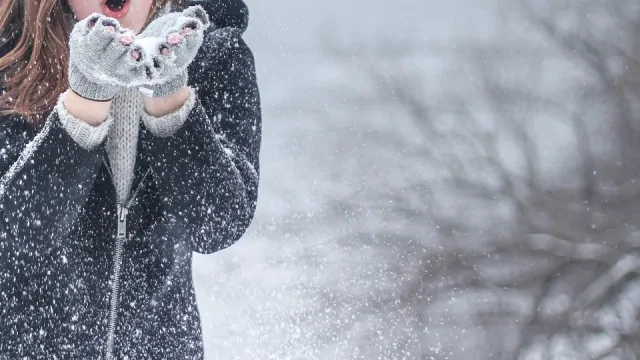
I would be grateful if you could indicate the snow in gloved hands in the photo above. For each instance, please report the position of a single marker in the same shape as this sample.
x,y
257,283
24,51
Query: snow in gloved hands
x,y
99,57
169,43
105,56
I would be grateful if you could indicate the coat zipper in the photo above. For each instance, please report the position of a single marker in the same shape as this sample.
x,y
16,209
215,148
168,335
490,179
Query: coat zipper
x,y
122,212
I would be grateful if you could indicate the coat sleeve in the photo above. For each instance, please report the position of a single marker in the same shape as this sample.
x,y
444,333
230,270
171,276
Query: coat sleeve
x,y
207,172
46,177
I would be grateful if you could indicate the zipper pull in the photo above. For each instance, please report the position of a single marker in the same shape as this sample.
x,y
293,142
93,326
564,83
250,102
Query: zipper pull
x,y
122,221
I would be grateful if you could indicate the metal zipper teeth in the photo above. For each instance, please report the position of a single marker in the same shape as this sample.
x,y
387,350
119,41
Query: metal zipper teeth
x,y
113,309
122,213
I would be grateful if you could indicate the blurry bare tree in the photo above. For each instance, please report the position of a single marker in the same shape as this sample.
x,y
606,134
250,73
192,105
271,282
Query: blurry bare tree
x,y
509,198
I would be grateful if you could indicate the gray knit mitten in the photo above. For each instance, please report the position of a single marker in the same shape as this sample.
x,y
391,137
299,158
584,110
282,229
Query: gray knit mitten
x,y
100,58
167,46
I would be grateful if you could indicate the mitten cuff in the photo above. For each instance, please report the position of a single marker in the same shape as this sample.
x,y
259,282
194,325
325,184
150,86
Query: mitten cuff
x,y
167,125
89,89
87,136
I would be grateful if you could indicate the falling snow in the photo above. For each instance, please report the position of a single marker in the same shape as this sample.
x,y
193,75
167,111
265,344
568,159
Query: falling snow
x,y
437,180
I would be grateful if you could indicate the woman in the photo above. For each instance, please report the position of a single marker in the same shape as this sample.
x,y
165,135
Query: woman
x,y
129,137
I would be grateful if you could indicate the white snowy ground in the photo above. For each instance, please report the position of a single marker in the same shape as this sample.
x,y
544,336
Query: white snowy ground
x,y
266,297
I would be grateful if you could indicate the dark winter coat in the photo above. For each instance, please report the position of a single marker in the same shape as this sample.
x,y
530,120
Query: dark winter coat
x,y
193,191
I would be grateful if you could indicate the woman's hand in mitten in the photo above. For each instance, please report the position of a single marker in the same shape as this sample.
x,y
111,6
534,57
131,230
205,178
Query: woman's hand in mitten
x,y
167,46
100,58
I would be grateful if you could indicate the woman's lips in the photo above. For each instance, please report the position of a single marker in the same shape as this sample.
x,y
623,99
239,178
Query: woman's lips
x,y
116,14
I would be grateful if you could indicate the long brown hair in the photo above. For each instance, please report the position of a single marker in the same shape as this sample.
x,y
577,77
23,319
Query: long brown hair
x,y
33,73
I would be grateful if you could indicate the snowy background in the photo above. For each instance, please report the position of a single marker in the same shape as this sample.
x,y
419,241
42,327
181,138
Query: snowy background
x,y
439,180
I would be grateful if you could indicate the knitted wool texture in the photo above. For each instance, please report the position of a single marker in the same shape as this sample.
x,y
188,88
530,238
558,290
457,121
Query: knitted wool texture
x,y
121,132
121,129
122,142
